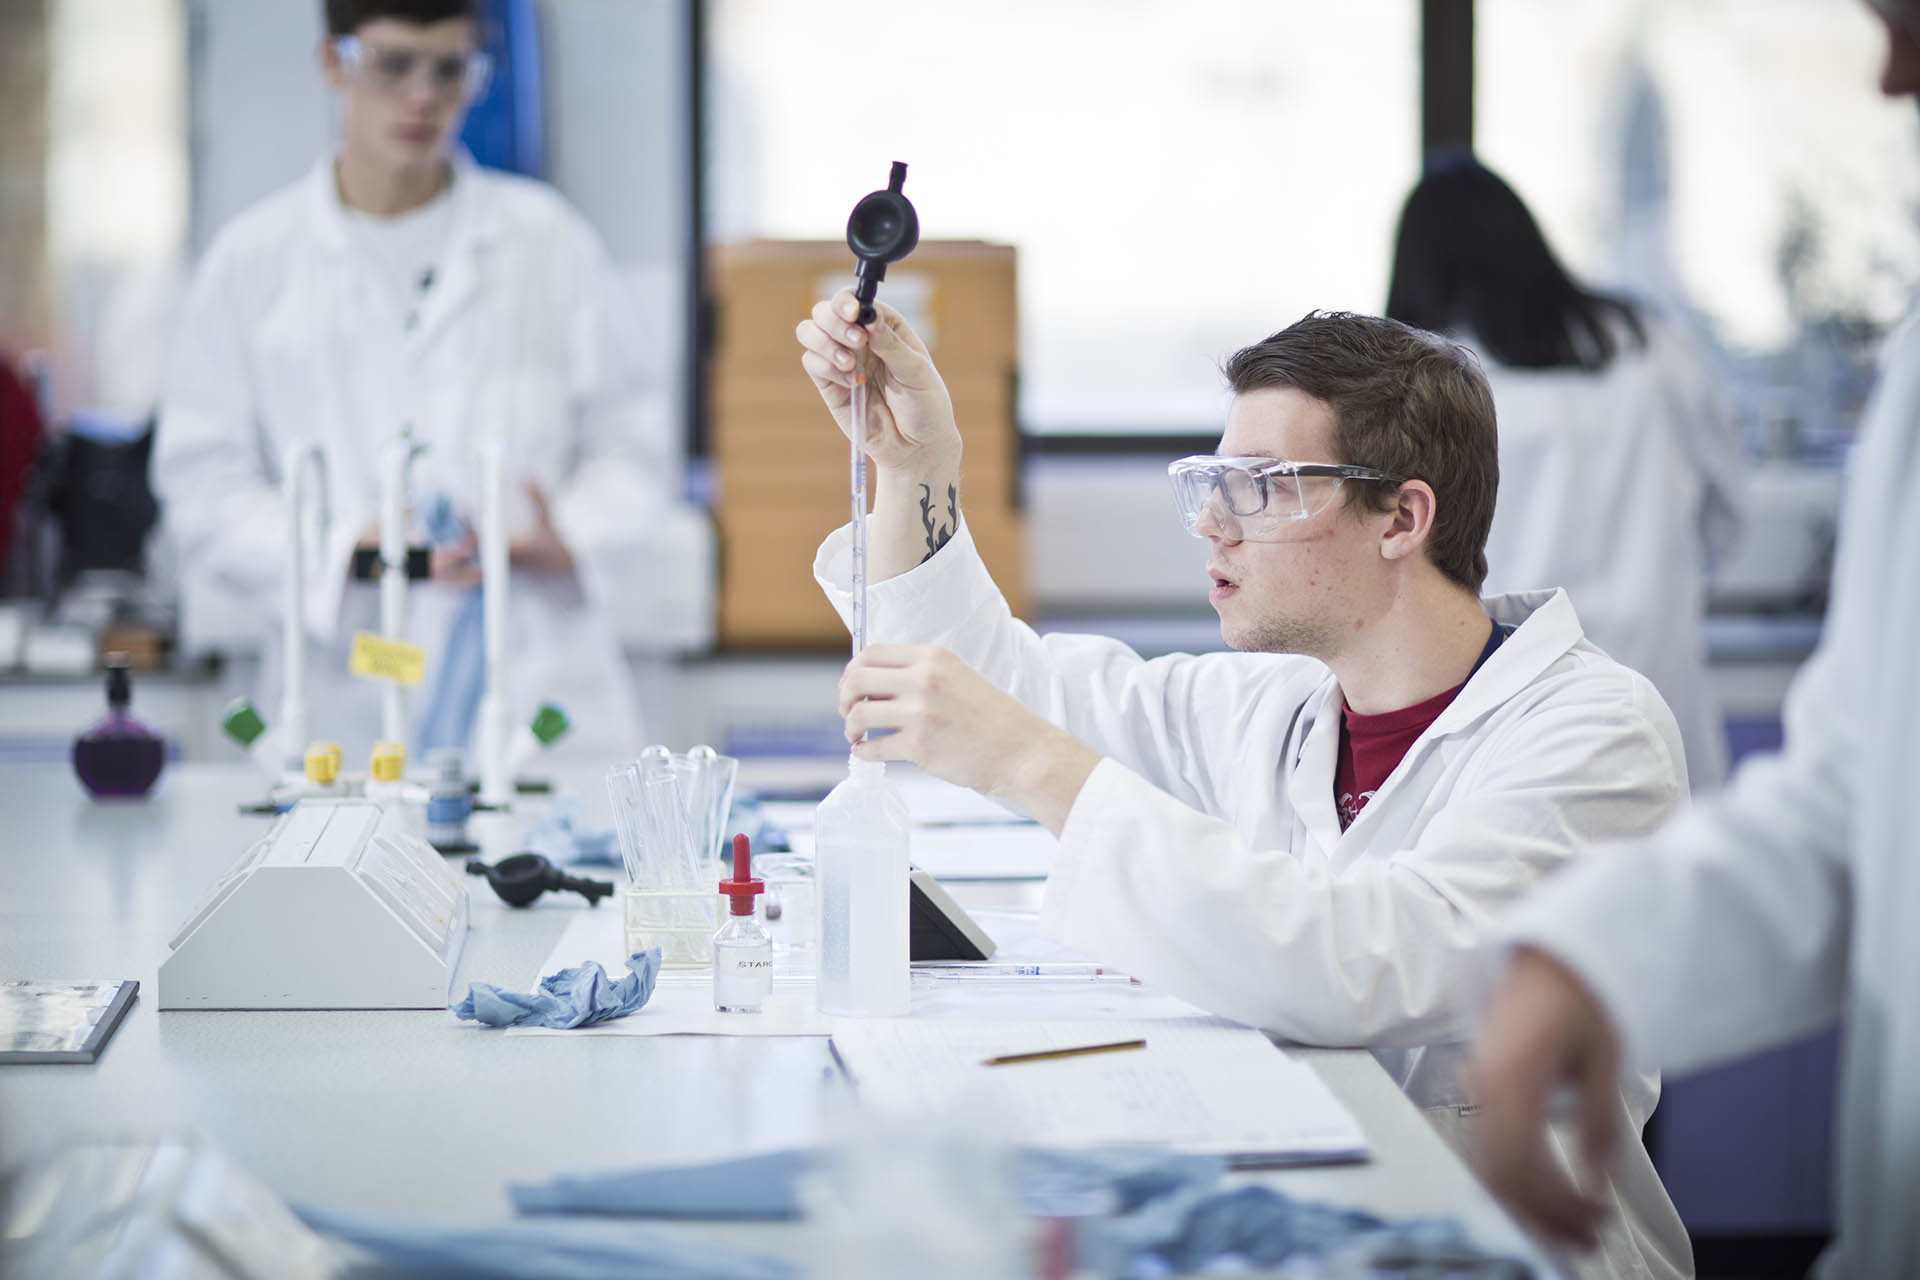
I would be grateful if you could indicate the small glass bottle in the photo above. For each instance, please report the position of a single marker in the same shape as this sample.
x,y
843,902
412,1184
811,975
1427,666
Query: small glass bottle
x,y
861,884
742,949
117,755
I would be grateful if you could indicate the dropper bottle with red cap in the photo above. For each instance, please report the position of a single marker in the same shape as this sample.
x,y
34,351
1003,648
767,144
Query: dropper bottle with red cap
x,y
742,949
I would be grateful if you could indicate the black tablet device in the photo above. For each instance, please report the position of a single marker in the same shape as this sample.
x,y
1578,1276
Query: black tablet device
x,y
938,929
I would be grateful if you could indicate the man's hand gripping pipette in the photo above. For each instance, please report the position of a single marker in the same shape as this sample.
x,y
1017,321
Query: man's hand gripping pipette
x,y
952,722
882,388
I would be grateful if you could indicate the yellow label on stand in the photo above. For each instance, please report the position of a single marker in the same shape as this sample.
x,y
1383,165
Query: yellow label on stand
x,y
377,658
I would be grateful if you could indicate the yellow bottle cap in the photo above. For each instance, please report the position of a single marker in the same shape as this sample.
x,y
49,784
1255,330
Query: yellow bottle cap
x,y
323,762
389,762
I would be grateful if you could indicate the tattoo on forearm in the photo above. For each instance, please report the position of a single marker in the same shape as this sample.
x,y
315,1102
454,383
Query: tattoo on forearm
x,y
938,535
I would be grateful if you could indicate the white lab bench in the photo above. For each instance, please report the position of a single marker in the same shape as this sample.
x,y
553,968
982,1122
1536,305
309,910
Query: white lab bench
x,y
414,1113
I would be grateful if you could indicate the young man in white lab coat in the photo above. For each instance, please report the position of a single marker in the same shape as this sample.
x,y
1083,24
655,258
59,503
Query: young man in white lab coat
x,y
1787,902
398,284
1313,835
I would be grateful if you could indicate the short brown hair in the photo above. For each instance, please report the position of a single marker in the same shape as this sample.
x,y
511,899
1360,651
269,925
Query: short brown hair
x,y
344,17
1406,402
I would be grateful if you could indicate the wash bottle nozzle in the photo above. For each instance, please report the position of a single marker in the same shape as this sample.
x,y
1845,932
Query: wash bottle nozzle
x,y
742,888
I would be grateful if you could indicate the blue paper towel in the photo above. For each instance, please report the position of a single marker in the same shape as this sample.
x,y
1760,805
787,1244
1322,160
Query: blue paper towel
x,y
551,1249
575,997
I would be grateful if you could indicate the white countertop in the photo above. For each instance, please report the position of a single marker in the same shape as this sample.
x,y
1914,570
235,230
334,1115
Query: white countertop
x,y
416,1113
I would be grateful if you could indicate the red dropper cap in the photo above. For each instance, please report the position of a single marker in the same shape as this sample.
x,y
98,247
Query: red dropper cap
x,y
743,886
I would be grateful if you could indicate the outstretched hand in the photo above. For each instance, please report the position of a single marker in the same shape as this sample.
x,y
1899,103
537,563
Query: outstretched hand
x,y
1544,1030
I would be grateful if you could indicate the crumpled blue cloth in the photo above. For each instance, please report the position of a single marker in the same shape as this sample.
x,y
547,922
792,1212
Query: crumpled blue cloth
x,y
576,997
1138,1211
460,676
552,1249
1195,1229
1048,1183
552,835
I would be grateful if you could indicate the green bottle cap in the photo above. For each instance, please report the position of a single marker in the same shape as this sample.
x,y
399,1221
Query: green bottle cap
x,y
242,723
549,723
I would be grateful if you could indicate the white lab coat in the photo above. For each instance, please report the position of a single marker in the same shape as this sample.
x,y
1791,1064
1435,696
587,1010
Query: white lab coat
x,y
290,335
1623,486
1204,855
1792,898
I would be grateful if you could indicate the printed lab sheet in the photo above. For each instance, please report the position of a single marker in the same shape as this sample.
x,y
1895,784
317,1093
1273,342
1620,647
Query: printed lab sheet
x,y
1200,1084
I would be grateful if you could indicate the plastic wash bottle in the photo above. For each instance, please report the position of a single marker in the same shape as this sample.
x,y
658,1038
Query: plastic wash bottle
x,y
860,880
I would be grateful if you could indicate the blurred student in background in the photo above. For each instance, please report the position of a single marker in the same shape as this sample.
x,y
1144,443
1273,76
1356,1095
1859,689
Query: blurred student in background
x,y
1620,471
399,284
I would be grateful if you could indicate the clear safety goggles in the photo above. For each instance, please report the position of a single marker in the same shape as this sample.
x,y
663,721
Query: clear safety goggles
x,y
1257,499
390,68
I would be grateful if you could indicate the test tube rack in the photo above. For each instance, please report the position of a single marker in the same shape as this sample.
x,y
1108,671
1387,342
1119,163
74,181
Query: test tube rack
x,y
336,907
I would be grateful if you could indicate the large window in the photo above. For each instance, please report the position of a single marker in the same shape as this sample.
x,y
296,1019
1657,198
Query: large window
x,y
1179,178
1729,158
116,183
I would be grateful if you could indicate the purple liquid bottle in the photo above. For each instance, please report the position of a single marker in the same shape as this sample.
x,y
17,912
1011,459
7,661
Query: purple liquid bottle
x,y
118,756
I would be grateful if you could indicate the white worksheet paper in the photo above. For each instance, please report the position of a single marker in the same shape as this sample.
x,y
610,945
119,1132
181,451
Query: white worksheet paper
x,y
1201,1084
682,1000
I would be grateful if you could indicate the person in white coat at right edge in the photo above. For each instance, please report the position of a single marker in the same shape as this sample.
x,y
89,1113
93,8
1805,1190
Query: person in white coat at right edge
x,y
1315,836
1787,902
1624,480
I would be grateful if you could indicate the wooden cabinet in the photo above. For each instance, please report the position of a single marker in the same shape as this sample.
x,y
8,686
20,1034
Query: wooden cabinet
x,y
781,463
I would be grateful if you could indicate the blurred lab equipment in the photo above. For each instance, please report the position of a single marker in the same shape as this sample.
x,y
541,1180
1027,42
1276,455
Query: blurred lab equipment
x,y
742,949
87,512
243,726
303,488
95,473
387,786
449,801
861,882
118,756
555,836
396,468
318,779
519,879
334,908
791,912
323,770
496,782
667,904
163,1206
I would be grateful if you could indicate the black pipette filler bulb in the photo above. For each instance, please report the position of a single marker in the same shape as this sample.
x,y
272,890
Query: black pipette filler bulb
x,y
883,228
525,876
